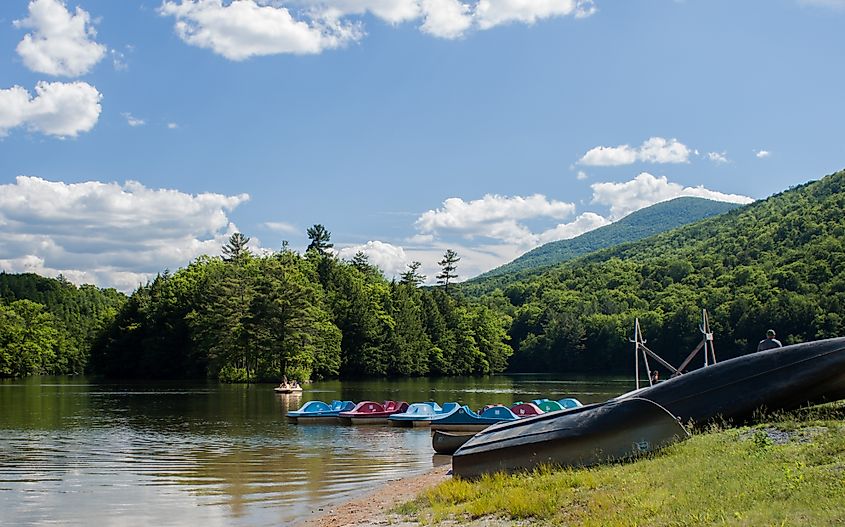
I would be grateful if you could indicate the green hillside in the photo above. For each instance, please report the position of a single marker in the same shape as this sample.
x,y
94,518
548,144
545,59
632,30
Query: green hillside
x,y
636,226
777,263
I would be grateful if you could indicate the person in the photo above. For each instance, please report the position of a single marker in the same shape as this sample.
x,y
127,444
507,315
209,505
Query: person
x,y
770,342
655,376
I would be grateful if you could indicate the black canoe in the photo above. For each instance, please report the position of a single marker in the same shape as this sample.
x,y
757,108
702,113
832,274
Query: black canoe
x,y
448,442
580,437
777,379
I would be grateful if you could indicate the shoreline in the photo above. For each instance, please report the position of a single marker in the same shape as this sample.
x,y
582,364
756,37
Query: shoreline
x,y
373,508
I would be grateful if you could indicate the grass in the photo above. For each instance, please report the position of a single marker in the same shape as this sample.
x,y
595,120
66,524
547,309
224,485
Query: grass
x,y
787,470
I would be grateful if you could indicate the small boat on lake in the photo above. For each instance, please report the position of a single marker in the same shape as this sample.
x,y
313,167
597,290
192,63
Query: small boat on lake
x,y
370,412
448,442
548,405
319,412
648,419
526,409
463,419
421,414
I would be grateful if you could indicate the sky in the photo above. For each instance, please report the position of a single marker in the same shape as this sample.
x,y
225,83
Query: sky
x,y
136,135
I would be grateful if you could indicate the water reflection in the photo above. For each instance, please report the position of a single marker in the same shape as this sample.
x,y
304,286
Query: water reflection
x,y
73,452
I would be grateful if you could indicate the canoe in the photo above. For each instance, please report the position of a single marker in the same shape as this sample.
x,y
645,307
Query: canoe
x,y
776,379
526,409
420,414
370,412
319,412
448,442
463,419
579,437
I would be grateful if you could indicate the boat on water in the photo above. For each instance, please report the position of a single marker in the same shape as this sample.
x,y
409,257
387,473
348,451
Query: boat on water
x,y
448,442
288,389
319,412
550,405
526,409
463,419
421,414
650,418
371,412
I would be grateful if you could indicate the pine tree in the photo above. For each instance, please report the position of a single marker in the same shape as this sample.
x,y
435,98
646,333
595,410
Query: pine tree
x,y
236,247
448,265
411,276
320,238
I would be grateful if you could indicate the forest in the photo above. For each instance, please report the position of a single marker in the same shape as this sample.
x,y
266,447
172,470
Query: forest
x,y
777,263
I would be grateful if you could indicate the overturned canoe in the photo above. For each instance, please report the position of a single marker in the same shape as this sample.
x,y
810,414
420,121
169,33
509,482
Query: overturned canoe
x,y
581,437
448,442
776,379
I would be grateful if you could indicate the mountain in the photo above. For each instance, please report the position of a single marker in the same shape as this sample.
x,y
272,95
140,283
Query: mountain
x,y
641,224
776,263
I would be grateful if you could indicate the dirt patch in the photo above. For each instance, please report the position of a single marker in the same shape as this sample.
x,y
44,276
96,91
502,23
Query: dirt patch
x,y
373,509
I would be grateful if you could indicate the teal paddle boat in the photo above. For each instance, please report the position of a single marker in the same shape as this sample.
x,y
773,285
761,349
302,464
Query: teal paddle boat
x,y
319,412
463,419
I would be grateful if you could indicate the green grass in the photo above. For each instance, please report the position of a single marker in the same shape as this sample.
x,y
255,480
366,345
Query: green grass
x,y
789,470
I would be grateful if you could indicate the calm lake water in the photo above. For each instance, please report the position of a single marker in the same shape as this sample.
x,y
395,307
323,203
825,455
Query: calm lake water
x,y
78,452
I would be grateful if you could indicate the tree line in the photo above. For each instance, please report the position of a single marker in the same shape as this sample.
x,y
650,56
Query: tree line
x,y
245,317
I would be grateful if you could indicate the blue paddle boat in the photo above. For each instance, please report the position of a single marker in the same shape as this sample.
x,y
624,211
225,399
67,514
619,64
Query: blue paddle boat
x,y
548,405
463,419
421,414
319,412
570,403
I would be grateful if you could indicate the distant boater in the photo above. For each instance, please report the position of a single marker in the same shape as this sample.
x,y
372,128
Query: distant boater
x,y
769,342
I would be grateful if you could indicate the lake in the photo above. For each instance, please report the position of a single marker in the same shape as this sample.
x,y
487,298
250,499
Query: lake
x,y
78,452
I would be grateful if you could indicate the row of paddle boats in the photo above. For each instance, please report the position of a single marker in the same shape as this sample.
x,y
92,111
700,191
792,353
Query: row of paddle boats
x,y
449,417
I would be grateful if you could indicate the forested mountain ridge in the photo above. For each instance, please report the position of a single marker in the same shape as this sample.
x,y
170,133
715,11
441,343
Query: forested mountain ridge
x,y
777,263
47,325
641,224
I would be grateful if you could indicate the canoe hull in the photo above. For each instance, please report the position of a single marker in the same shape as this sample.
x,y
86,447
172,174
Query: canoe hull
x,y
448,442
577,438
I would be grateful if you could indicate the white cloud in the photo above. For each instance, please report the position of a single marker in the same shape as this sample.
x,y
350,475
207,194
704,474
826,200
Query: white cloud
x,y
391,259
61,43
446,18
133,121
581,175
107,233
646,190
762,153
172,126
585,222
492,216
653,150
244,29
718,157
280,226
58,109
118,60
491,13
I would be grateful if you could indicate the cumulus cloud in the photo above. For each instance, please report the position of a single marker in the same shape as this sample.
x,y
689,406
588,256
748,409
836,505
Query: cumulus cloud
x,y
653,150
718,157
492,216
585,222
246,28
762,153
107,233
391,259
58,109
646,190
61,43
581,175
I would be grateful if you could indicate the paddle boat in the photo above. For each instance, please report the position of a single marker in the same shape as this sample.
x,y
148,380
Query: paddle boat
x,y
319,412
569,403
526,409
548,405
371,412
463,419
420,414
288,387
648,419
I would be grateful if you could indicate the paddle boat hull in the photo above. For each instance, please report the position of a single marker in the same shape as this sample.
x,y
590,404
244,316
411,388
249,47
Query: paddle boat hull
x,y
420,414
371,413
463,419
314,412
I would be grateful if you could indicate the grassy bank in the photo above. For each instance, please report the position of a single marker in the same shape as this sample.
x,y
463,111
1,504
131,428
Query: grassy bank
x,y
787,470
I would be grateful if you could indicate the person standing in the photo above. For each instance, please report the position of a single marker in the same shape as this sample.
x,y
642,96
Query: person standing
x,y
770,342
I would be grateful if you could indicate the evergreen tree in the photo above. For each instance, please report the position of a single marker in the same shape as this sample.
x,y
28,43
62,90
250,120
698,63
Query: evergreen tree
x,y
448,266
320,239
236,247
411,276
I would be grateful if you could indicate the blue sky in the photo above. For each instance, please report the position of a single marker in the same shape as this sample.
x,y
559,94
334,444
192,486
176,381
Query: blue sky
x,y
136,135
